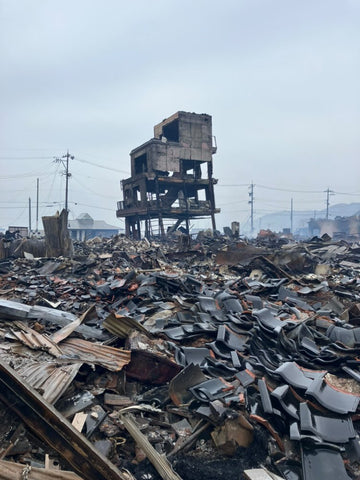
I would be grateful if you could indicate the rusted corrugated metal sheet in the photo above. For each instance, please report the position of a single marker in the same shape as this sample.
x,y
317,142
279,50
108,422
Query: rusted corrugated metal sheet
x,y
122,326
111,358
35,340
49,379
151,368
49,425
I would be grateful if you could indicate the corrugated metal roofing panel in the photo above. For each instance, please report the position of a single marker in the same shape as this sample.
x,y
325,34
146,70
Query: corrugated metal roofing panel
x,y
35,340
122,326
111,358
50,378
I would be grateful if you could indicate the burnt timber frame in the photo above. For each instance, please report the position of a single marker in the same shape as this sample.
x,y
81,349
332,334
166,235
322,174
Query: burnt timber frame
x,y
167,179
48,424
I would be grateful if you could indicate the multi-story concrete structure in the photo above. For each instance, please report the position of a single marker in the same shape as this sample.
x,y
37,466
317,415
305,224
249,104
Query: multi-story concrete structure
x,y
171,176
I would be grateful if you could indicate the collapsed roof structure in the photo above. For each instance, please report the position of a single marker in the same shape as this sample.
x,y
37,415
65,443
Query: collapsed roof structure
x,y
167,179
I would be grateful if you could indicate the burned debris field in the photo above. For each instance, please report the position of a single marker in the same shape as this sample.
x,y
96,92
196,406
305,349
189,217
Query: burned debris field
x,y
180,240
155,359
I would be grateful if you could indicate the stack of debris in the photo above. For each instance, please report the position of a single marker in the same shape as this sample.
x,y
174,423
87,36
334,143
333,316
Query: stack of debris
x,y
144,360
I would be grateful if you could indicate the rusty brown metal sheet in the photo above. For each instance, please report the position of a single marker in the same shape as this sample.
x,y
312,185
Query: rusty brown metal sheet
x,y
122,326
35,340
241,253
49,378
151,368
48,424
110,358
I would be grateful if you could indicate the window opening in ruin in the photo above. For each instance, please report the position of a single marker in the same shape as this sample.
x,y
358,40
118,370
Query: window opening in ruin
x,y
201,195
171,131
136,194
141,164
192,168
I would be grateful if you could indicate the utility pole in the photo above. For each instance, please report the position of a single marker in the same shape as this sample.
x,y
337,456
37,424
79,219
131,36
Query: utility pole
x,y
328,193
291,216
67,174
29,216
251,202
37,205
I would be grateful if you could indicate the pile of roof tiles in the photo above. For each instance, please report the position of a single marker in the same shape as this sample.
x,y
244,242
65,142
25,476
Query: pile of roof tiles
x,y
223,351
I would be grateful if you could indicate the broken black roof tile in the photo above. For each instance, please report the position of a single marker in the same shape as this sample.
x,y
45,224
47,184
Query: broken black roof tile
x,y
212,389
296,376
191,355
287,401
323,462
334,400
329,429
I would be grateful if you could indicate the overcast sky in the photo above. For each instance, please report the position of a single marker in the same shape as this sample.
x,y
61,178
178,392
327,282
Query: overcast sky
x,y
279,77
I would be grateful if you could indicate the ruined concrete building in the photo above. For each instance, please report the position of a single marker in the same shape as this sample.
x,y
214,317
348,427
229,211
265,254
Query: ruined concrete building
x,y
171,177
347,228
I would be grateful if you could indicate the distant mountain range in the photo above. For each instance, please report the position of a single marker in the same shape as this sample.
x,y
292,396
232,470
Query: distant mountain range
x,y
279,220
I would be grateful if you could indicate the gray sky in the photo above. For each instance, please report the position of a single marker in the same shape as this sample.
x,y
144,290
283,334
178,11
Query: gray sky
x,y
279,77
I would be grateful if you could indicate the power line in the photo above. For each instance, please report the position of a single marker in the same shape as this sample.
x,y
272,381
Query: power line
x,y
22,202
82,160
26,158
23,175
113,197
15,208
94,206
233,185
234,210
267,187
101,166
343,193
288,190
25,203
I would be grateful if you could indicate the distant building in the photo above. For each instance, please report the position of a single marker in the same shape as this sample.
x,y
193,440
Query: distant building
x,y
85,227
340,227
22,232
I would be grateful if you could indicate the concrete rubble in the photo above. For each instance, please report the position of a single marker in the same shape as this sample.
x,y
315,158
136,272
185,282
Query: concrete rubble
x,y
203,359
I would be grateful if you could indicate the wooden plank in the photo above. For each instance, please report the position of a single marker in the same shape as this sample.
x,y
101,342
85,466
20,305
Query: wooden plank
x,y
117,400
14,471
160,462
260,474
79,420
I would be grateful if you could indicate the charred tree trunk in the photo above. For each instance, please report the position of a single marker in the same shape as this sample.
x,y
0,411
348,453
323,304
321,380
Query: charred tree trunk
x,y
57,239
